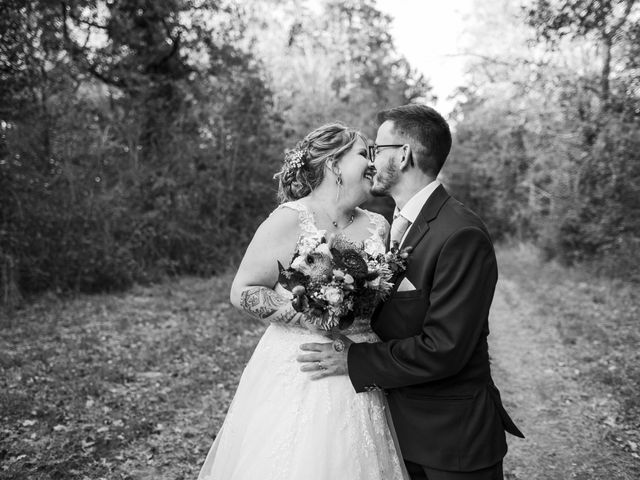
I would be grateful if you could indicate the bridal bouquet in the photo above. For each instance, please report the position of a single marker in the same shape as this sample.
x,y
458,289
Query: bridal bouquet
x,y
333,282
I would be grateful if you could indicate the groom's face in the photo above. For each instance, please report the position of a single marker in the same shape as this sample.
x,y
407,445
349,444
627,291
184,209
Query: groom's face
x,y
388,172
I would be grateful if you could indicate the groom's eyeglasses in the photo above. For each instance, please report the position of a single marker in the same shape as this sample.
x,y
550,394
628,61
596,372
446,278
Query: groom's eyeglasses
x,y
375,149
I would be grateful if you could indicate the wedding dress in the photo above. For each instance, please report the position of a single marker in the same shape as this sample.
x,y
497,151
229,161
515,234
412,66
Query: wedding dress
x,y
283,426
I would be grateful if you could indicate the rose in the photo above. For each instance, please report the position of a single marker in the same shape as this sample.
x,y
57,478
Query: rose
x,y
333,295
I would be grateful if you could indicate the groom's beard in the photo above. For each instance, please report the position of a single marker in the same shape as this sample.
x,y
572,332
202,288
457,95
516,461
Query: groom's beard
x,y
385,180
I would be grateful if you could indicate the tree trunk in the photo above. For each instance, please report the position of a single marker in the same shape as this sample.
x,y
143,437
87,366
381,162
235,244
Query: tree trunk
x,y
606,71
11,296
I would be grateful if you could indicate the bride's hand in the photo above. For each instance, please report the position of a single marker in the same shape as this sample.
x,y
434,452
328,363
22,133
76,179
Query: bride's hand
x,y
307,323
285,314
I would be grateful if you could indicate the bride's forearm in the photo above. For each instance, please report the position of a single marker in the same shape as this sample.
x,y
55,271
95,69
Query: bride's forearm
x,y
264,303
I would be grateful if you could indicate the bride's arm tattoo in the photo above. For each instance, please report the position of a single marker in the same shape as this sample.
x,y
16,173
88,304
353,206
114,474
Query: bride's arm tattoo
x,y
263,303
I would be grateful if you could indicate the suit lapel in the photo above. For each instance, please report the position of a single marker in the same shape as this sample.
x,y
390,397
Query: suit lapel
x,y
429,211
417,230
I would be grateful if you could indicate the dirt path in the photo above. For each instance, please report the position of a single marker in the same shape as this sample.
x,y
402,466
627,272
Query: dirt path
x,y
564,420
134,386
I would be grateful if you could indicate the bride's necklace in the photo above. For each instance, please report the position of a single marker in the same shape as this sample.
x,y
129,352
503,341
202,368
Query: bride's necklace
x,y
335,222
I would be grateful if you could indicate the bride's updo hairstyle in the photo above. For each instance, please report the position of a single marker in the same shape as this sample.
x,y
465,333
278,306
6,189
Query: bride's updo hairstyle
x,y
304,166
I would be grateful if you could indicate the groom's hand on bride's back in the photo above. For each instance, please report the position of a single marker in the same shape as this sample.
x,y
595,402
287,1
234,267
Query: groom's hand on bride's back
x,y
325,359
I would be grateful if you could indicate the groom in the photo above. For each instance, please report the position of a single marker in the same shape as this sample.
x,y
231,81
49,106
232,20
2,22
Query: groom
x,y
433,361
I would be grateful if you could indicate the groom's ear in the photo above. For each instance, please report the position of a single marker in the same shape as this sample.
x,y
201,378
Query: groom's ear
x,y
406,160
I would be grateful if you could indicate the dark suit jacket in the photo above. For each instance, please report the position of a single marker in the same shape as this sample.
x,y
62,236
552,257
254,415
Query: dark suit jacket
x,y
433,361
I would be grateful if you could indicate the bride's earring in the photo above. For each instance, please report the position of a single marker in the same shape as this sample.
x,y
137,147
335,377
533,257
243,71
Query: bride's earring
x,y
336,171
339,184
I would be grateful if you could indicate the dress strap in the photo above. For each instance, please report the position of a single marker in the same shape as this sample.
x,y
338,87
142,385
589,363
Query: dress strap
x,y
378,225
305,217
378,230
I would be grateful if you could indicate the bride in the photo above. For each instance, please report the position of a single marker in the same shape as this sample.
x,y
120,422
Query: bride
x,y
281,425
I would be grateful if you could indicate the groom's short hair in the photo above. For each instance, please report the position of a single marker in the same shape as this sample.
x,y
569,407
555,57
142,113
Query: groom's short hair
x,y
428,130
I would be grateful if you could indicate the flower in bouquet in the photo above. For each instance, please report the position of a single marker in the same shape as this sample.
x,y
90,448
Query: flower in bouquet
x,y
316,265
334,282
334,295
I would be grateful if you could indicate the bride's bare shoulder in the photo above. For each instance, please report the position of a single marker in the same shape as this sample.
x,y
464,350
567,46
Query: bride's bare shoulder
x,y
281,223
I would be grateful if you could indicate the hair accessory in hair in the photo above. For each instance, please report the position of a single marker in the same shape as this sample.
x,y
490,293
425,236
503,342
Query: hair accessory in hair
x,y
295,158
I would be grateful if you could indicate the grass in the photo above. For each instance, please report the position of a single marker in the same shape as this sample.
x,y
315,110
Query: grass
x,y
120,386
134,386
598,319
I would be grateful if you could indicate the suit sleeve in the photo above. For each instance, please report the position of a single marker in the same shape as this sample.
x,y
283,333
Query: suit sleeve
x,y
459,302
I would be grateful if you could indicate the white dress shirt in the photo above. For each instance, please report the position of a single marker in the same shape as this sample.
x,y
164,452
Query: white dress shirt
x,y
412,208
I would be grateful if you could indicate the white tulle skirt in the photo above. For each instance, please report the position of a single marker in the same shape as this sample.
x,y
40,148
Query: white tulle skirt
x,y
283,426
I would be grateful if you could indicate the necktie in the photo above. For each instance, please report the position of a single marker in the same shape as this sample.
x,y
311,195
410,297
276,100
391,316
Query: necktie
x,y
398,228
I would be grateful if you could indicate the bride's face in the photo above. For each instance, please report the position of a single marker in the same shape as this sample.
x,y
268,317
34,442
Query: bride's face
x,y
357,173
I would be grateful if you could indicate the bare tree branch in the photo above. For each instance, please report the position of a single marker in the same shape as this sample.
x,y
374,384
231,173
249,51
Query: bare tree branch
x,y
621,21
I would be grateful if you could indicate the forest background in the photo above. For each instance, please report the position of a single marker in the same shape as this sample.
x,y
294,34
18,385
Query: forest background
x,y
138,139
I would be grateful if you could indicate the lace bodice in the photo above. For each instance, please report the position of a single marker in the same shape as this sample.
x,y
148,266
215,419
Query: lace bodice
x,y
309,232
374,244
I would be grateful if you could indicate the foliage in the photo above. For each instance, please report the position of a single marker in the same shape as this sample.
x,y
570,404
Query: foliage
x,y
139,138
548,131
330,61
